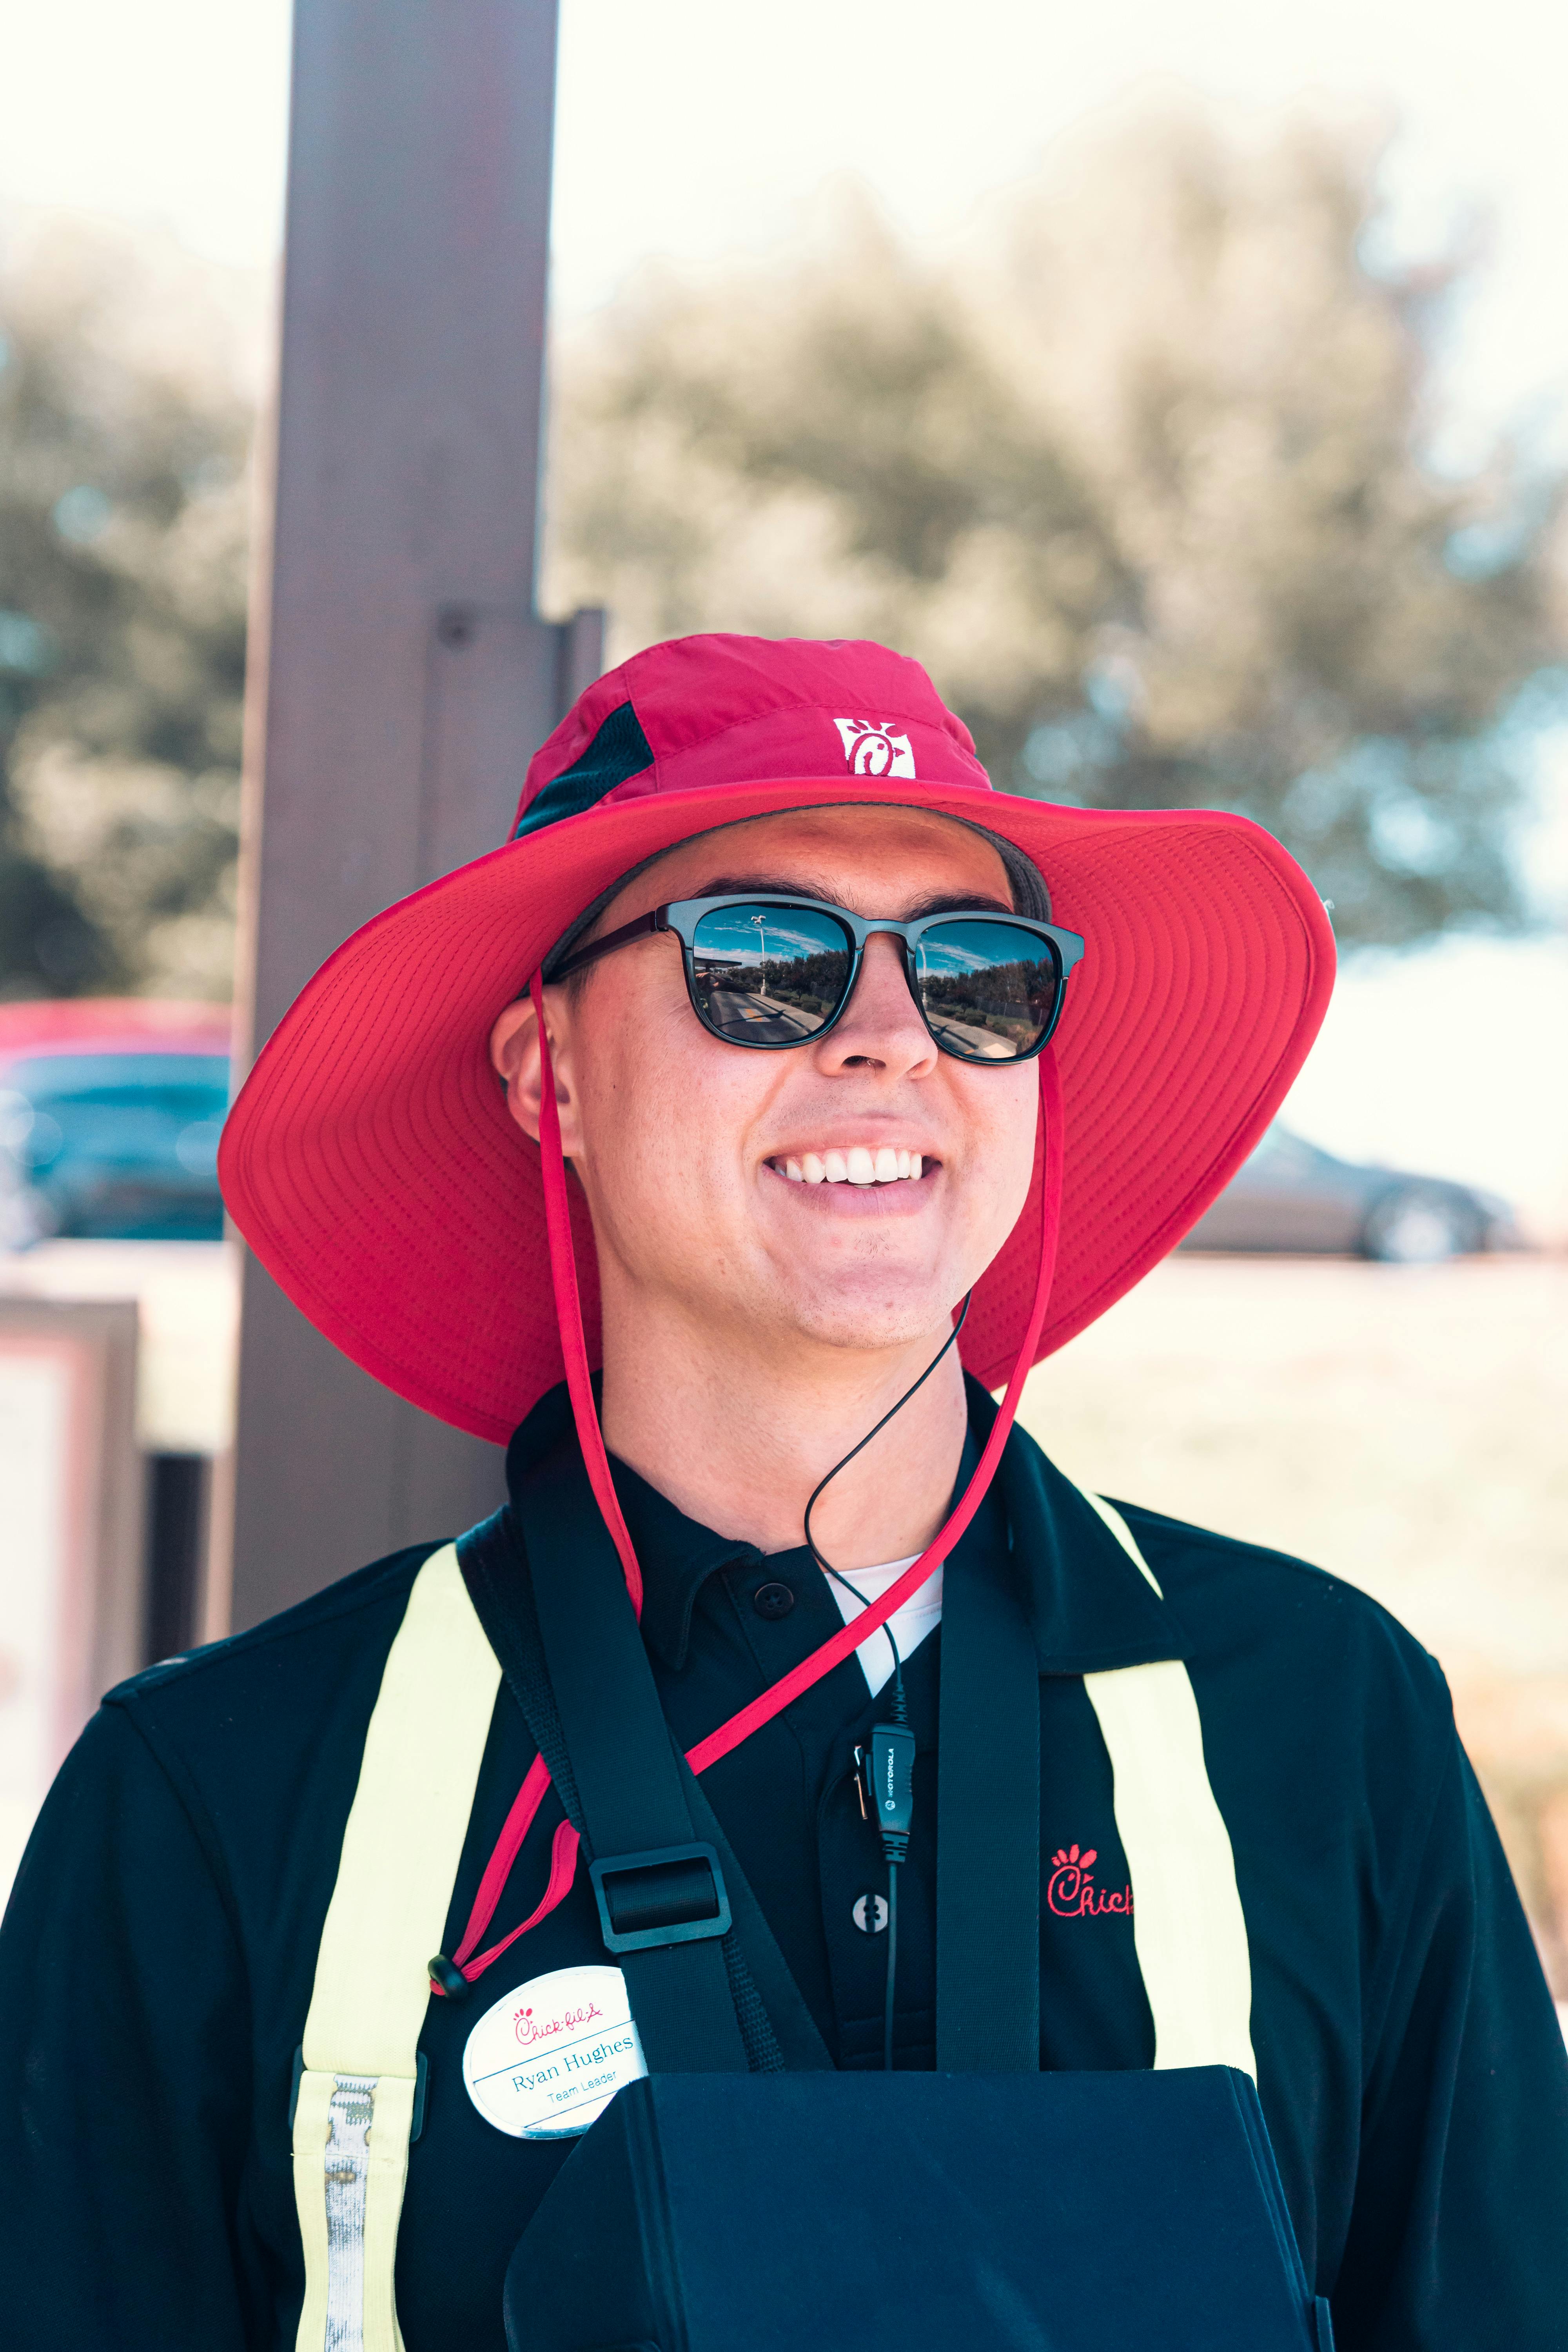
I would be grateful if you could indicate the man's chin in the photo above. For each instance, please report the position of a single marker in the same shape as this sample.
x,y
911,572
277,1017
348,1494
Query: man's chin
x,y
871,1323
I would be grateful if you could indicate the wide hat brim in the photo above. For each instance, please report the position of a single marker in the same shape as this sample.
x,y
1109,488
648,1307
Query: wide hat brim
x,y
371,1163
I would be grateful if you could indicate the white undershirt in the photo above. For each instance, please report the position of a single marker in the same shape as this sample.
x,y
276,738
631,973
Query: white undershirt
x,y
910,1623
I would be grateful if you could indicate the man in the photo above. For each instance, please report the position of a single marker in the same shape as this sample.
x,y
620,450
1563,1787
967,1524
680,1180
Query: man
x,y
801,1143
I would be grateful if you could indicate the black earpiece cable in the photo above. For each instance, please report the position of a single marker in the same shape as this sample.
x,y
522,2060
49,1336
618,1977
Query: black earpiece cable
x,y
895,1842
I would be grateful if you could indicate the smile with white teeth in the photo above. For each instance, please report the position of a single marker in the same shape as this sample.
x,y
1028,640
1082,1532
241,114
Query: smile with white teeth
x,y
858,1165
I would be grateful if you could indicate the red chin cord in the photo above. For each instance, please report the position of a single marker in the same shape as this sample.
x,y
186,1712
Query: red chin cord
x,y
569,1308
822,1661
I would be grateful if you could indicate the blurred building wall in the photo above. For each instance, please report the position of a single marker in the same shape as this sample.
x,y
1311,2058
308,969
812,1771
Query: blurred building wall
x,y
401,677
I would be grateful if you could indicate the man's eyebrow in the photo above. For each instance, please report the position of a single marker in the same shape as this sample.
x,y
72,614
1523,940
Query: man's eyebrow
x,y
968,902
934,902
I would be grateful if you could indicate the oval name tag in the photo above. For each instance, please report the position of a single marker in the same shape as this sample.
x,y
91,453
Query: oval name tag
x,y
545,2061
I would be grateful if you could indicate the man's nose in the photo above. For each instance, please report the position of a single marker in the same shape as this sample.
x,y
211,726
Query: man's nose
x,y
881,1024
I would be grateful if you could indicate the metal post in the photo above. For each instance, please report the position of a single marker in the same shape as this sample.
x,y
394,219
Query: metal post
x,y
400,677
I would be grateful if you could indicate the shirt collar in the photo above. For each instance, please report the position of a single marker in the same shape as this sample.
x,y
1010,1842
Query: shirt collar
x,y
677,1556
1090,1609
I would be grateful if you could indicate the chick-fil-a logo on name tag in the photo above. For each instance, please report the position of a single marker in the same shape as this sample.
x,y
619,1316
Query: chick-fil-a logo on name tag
x,y
545,2061
532,2028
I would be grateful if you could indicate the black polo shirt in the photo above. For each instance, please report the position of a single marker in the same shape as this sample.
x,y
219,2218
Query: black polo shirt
x,y
157,1958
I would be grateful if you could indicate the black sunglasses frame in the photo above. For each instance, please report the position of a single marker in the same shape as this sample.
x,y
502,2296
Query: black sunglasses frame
x,y
681,917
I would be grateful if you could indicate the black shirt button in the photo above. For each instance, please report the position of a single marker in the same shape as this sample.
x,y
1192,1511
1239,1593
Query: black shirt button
x,y
773,1599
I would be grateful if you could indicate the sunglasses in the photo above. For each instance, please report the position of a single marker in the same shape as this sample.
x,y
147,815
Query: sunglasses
x,y
773,973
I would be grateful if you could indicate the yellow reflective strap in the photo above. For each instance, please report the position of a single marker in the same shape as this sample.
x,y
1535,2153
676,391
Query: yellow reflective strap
x,y
1187,1922
310,2202
388,2171
400,1854
1124,1535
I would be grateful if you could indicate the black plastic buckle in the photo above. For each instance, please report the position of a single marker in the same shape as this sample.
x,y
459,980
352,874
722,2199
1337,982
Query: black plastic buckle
x,y
670,1905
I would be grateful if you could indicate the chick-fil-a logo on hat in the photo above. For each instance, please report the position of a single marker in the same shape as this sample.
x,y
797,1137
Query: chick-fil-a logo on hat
x,y
873,748
1071,1891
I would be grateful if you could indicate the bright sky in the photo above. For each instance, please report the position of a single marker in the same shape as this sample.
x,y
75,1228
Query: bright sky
x,y
693,128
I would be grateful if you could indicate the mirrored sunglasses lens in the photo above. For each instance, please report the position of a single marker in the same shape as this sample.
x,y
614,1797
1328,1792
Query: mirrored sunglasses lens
x,y
988,990
768,975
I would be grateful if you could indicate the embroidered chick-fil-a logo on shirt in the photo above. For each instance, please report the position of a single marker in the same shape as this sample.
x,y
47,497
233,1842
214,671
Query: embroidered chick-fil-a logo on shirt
x,y
529,2029
1072,1893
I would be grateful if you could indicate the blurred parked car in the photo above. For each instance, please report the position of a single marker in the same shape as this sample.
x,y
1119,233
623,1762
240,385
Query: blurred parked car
x,y
1291,1196
109,1116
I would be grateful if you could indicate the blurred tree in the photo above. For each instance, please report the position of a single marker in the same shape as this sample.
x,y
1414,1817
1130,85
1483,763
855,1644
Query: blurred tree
x,y
123,441
1144,478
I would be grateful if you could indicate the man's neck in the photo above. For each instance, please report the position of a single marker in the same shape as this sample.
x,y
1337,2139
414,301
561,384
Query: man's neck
x,y
738,1444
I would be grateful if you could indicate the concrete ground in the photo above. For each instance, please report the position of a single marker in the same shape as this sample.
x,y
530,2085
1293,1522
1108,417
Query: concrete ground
x,y
1404,1427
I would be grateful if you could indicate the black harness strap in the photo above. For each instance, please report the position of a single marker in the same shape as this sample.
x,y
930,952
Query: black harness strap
x,y
776,2027
495,1570
560,1620
628,1784
778,2030
988,1829
666,1909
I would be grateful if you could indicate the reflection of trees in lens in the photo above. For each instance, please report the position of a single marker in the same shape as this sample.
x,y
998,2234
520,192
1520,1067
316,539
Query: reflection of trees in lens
x,y
799,980
811,984
738,979
1013,1000
785,997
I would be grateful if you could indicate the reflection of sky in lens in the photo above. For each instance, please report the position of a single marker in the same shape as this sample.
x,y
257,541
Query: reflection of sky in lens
x,y
734,935
951,951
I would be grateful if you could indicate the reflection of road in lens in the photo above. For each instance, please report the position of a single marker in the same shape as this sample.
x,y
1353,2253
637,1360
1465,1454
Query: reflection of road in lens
x,y
965,970
761,1019
983,1044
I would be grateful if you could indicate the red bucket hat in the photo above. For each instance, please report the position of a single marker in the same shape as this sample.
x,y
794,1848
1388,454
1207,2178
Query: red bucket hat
x,y
369,1160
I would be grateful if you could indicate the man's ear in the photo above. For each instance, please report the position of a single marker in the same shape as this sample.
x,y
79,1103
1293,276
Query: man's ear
x,y
514,1055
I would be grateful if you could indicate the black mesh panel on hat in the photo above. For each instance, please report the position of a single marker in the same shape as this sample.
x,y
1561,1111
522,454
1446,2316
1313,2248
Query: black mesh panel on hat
x,y
619,749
